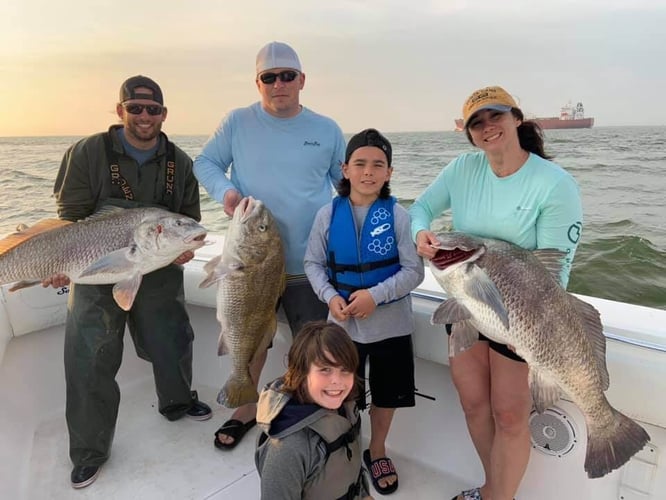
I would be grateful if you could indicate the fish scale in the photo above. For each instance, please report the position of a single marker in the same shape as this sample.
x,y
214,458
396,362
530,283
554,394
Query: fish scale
x,y
71,249
511,295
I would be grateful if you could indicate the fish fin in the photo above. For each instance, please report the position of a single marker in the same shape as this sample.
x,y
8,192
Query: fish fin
x,y
217,269
595,333
26,233
480,287
266,339
552,259
544,392
124,292
23,284
449,311
105,211
116,262
612,446
209,266
238,391
463,336
209,280
222,348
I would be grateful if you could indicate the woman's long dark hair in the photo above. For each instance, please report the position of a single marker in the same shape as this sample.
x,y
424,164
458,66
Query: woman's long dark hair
x,y
530,135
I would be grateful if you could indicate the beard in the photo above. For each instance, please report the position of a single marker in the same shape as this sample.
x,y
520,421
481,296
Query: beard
x,y
143,135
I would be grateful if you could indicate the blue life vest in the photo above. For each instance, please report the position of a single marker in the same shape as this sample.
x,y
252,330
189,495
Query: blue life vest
x,y
354,265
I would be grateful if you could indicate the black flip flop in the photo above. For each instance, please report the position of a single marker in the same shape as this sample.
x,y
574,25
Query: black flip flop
x,y
378,469
234,429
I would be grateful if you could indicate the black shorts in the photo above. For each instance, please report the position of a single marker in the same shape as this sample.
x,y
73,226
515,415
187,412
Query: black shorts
x,y
502,349
391,373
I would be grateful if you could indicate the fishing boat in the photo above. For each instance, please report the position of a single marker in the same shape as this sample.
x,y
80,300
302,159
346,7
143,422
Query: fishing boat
x,y
152,458
570,117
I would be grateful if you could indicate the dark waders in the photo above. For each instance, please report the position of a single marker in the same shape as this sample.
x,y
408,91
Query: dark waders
x,y
162,335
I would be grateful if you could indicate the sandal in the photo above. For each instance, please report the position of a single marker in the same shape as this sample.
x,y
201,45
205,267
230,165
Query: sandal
x,y
378,469
473,494
234,429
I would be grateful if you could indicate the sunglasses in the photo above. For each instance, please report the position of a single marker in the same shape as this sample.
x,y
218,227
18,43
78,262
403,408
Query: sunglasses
x,y
137,109
284,76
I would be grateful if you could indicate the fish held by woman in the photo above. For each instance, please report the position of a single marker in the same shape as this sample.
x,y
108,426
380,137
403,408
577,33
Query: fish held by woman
x,y
513,296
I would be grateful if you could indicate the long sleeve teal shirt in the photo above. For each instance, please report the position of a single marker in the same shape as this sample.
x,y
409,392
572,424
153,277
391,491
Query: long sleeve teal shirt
x,y
539,206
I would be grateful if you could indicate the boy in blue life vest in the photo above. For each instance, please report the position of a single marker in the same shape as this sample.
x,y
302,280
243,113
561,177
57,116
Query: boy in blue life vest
x,y
362,262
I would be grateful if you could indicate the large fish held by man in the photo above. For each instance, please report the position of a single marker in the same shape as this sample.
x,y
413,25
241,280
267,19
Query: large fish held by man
x,y
513,296
250,277
115,246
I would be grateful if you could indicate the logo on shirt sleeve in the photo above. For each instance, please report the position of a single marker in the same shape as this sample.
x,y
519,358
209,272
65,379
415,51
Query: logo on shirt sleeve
x,y
574,232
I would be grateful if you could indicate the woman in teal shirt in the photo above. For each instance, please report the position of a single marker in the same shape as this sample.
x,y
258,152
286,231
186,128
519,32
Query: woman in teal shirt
x,y
509,190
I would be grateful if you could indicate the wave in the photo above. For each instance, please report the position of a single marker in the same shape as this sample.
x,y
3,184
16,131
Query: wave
x,y
624,268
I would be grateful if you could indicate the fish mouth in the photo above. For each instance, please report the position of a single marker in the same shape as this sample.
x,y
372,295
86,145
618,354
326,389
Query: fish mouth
x,y
245,208
445,258
199,238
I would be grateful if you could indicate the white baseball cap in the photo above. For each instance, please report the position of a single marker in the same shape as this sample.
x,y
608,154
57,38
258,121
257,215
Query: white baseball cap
x,y
277,55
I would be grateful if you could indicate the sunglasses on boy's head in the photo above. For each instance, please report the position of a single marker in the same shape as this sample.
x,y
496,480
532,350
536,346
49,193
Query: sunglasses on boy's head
x,y
284,76
137,109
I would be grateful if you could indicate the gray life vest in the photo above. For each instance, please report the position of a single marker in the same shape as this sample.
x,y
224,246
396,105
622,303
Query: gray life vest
x,y
342,475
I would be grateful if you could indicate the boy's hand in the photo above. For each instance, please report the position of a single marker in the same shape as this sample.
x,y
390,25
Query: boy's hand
x,y
337,305
361,304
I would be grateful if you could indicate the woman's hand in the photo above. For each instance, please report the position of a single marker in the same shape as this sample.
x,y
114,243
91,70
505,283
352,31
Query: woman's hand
x,y
426,244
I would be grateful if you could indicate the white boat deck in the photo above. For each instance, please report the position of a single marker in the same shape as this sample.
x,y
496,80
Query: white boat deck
x,y
153,458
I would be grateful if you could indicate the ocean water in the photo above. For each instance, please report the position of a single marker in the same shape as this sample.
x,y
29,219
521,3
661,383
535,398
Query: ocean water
x,y
621,172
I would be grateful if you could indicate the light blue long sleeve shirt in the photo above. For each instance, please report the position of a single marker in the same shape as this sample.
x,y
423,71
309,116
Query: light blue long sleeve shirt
x,y
291,164
538,206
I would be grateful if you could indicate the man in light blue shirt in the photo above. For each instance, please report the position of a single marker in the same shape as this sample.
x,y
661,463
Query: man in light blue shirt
x,y
289,157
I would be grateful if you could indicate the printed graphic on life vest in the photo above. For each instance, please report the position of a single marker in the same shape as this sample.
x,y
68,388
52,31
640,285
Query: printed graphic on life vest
x,y
382,243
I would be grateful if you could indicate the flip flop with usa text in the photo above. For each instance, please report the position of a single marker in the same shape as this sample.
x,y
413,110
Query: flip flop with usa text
x,y
379,469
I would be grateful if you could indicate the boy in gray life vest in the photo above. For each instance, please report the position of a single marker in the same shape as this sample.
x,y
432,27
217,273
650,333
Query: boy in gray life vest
x,y
310,447
361,261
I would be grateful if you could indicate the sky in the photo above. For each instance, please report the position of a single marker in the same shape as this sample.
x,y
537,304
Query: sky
x,y
396,65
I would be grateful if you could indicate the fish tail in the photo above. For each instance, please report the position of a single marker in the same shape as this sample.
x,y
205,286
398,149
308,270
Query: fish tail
x,y
237,391
609,450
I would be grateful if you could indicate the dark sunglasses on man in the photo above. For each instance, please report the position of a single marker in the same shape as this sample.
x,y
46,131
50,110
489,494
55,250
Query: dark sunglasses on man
x,y
285,76
137,109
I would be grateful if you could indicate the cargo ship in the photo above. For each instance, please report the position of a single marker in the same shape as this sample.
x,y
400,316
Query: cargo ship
x,y
570,117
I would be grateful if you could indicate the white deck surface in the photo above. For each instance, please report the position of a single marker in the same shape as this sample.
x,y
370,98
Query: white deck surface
x,y
153,458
